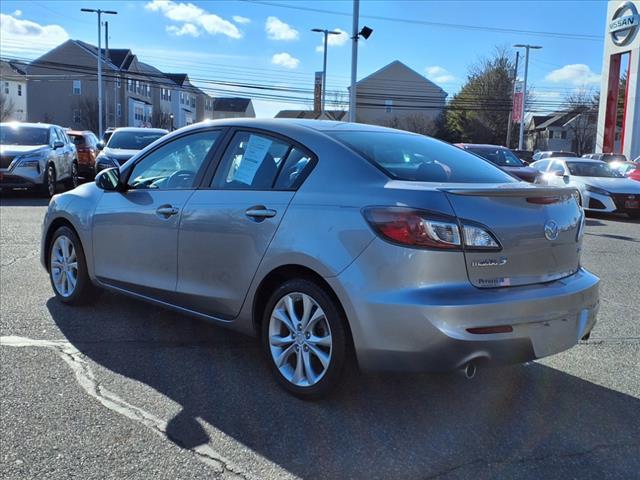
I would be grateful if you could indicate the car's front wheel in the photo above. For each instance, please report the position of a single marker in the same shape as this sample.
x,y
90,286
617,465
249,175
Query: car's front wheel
x,y
48,187
74,180
305,339
68,268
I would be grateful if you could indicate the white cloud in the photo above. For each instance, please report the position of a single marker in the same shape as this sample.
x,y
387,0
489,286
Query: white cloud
x,y
439,74
186,29
334,40
17,13
285,60
241,20
19,36
278,30
196,17
575,74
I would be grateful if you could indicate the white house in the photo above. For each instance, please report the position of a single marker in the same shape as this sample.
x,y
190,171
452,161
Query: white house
x,y
13,90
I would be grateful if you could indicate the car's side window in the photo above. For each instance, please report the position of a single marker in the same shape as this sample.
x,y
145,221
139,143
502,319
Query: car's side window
x,y
556,166
251,162
174,165
298,162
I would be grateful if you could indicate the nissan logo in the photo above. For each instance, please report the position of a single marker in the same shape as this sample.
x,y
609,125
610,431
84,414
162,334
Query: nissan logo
x,y
551,230
623,28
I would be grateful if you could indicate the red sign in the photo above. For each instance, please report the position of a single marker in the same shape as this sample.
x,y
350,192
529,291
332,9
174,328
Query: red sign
x,y
517,103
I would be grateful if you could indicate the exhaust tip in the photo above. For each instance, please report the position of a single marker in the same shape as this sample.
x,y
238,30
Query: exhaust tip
x,y
470,370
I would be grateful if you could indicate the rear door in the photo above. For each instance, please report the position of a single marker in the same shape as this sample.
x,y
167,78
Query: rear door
x,y
226,228
539,230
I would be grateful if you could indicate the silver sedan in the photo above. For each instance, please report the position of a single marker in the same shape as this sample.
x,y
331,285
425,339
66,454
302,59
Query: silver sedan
x,y
322,238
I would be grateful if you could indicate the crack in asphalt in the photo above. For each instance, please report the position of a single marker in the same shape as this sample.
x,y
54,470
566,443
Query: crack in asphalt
x,y
478,461
87,380
17,259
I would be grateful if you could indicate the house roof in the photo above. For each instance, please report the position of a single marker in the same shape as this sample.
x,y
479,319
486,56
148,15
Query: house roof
x,y
11,69
157,75
231,104
177,78
312,115
399,63
117,56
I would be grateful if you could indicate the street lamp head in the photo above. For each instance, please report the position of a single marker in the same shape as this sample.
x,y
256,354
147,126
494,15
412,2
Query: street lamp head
x,y
365,32
329,32
319,30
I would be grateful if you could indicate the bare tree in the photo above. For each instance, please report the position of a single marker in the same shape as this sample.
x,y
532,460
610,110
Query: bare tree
x,y
88,108
582,109
6,107
160,119
419,123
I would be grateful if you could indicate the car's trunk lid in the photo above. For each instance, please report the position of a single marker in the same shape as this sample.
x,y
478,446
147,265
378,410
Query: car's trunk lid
x,y
538,229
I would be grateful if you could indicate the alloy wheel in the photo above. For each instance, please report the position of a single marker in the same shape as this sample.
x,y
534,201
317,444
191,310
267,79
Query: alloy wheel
x,y
51,181
300,339
64,266
74,176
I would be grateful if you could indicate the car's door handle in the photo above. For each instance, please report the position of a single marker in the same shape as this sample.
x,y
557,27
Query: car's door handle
x,y
167,211
260,212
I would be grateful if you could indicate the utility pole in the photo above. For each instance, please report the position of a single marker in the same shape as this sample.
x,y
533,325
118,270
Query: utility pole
x,y
515,79
354,60
527,47
324,62
99,12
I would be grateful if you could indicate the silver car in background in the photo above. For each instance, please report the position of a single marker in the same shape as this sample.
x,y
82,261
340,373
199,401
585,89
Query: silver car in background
x,y
323,238
601,187
36,156
123,143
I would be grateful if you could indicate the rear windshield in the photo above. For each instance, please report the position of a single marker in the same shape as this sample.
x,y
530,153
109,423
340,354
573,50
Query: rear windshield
x,y
562,154
404,156
78,140
592,169
497,156
10,135
128,140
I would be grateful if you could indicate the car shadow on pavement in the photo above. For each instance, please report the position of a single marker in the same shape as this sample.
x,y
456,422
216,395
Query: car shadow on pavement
x,y
21,198
526,421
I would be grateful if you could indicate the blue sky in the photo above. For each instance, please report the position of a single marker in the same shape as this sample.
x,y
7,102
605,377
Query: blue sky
x,y
252,42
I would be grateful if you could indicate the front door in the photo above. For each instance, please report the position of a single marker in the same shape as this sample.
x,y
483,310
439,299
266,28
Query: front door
x,y
135,232
226,229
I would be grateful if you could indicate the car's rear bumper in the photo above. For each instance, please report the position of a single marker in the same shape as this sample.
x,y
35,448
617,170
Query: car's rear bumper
x,y
424,328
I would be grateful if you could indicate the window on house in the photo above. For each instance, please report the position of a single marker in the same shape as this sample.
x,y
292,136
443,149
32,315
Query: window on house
x,y
77,117
388,105
118,82
563,134
119,110
550,133
19,90
6,88
77,87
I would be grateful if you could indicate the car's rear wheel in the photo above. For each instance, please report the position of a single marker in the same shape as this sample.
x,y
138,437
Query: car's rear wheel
x,y
304,338
48,187
68,268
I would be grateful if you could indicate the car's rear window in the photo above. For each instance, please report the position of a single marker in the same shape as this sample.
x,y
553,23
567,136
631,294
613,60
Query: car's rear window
x,y
497,156
78,140
405,156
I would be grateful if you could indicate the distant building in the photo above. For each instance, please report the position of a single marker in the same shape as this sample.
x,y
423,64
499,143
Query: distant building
x,y
562,131
339,115
13,90
396,94
233,107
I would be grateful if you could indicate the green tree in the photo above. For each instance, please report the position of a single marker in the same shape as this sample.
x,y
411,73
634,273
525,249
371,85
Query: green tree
x,y
479,112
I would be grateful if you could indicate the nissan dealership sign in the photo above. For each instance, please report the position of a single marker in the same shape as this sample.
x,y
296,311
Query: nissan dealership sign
x,y
624,23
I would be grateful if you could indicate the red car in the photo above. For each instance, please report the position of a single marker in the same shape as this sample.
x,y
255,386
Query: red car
x,y
628,169
87,146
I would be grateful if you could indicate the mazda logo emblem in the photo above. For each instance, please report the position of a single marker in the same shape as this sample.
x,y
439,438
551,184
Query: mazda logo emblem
x,y
551,230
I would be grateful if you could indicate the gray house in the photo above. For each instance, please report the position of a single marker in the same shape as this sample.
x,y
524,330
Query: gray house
x,y
562,131
233,107
395,95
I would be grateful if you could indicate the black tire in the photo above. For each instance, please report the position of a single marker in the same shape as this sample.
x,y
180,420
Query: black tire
x,y
338,330
48,187
74,181
85,291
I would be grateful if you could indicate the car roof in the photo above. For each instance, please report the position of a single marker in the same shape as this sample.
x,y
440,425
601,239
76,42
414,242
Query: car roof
x,y
28,124
576,160
78,132
482,145
140,129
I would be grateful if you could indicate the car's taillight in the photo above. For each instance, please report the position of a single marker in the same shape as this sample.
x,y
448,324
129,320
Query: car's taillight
x,y
413,227
417,228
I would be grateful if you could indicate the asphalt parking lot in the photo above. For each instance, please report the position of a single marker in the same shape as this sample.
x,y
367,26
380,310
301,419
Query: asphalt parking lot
x,y
121,389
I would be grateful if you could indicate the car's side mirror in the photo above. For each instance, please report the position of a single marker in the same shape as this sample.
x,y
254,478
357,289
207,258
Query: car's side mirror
x,y
100,145
558,173
109,179
57,144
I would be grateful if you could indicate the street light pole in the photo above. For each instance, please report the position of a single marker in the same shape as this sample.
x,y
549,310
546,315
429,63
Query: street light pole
x,y
354,60
515,81
99,12
324,62
524,89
